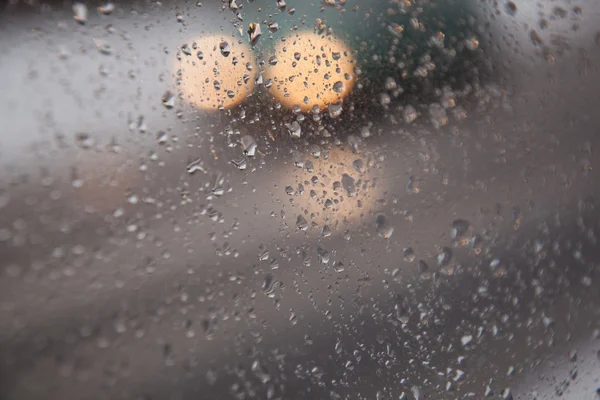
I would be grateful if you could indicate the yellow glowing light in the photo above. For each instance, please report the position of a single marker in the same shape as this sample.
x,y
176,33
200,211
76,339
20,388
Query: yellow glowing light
x,y
327,197
311,70
216,71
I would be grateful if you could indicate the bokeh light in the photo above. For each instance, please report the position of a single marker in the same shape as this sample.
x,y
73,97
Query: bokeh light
x,y
311,70
216,72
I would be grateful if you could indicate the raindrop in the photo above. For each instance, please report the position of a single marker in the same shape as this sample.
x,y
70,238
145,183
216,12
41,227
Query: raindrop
x,y
254,33
384,99
162,137
353,143
106,9
185,49
339,87
103,47
133,199
268,285
409,114
384,229
417,393
511,8
358,165
225,49
438,115
348,184
281,4
365,132
506,394
335,110
273,60
294,129
168,100
273,26
301,223
84,140
323,256
409,254
390,83
195,166
263,253
80,12
249,145
240,163
466,339
444,257
459,228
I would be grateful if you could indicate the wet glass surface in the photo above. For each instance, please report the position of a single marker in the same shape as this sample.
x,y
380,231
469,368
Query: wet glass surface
x,y
274,199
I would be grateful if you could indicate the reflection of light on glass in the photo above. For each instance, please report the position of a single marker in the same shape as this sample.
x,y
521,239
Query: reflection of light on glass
x,y
216,71
333,190
311,70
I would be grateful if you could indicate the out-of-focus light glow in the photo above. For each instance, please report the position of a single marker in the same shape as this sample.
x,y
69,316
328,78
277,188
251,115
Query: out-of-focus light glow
x,y
216,72
311,70
336,190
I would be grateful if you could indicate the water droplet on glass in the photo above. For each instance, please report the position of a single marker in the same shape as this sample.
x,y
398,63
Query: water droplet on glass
x,y
506,394
466,339
162,137
353,143
268,285
225,48
444,256
323,256
281,4
273,60
390,83
359,165
103,47
195,166
384,229
301,223
84,140
106,9
254,33
248,145
409,254
365,132
438,115
168,99
459,228
273,26
335,110
185,49
339,87
294,129
348,184
80,13
384,99
409,114
417,393
233,5
240,163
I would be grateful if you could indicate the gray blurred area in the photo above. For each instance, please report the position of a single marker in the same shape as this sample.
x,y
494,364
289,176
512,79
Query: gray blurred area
x,y
138,261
